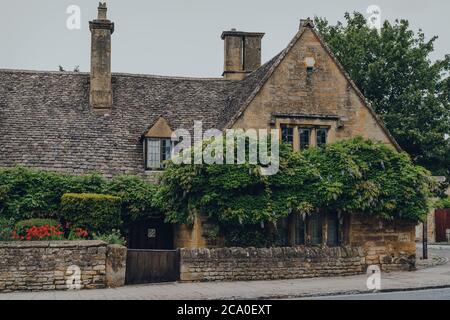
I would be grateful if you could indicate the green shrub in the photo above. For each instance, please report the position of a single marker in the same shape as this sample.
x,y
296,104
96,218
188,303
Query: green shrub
x,y
25,224
95,212
354,176
113,237
443,203
37,194
26,194
137,197
4,191
6,229
251,236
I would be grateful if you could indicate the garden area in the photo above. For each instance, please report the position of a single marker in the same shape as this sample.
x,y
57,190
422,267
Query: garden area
x,y
41,205
354,176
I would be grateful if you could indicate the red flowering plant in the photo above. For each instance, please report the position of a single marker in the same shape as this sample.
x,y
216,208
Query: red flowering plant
x,y
45,230
78,234
39,233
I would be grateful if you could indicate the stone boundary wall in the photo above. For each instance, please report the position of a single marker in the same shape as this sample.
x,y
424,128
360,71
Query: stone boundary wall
x,y
231,264
48,265
389,244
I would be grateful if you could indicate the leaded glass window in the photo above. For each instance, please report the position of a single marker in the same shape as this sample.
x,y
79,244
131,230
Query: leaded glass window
x,y
315,226
157,151
305,138
287,135
300,231
332,229
321,137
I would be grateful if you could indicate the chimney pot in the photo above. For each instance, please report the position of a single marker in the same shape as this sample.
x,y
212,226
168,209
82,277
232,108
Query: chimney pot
x,y
306,23
102,11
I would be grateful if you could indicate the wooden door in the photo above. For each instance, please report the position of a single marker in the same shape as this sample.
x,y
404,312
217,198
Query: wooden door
x,y
442,221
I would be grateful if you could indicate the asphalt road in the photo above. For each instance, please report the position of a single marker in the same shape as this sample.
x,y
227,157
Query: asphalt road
x,y
434,294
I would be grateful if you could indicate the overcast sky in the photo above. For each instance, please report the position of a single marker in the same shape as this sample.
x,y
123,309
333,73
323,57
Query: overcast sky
x,y
181,37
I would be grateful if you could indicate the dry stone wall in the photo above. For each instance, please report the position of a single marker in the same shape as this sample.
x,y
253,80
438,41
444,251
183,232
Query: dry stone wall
x,y
56,265
231,264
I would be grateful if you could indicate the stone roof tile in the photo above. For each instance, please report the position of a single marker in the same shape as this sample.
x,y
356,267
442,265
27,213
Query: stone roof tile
x,y
46,121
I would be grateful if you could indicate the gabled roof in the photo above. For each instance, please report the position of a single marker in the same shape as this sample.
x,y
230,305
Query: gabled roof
x,y
275,62
46,121
159,129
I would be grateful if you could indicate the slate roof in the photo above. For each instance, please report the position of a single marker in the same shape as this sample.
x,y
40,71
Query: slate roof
x,y
46,121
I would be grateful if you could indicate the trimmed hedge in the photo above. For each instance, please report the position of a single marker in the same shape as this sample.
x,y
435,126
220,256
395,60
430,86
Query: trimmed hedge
x,y
98,212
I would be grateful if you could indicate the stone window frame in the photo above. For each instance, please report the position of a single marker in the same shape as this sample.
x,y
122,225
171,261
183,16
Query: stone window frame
x,y
314,123
298,222
313,131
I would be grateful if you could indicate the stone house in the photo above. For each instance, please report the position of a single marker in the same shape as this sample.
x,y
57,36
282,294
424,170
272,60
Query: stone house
x,y
122,123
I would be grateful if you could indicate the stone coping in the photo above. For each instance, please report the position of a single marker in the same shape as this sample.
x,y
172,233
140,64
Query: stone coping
x,y
52,244
274,252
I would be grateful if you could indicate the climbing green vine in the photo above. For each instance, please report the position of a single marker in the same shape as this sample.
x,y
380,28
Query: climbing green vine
x,y
354,176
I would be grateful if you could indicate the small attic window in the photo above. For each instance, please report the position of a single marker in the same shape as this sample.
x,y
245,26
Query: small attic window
x,y
310,63
158,145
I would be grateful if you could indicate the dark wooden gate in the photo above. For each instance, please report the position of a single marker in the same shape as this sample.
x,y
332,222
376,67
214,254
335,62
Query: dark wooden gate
x,y
151,234
442,220
149,266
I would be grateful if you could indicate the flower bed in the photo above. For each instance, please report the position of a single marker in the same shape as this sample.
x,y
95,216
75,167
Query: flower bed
x,y
40,230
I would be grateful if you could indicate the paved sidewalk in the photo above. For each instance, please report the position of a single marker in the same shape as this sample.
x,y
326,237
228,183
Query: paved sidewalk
x,y
436,277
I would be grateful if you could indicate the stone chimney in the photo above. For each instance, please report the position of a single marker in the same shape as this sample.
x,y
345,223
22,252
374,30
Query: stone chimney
x,y
242,53
101,87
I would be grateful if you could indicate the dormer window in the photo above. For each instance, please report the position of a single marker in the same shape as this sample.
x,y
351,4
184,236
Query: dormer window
x,y
158,145
157,151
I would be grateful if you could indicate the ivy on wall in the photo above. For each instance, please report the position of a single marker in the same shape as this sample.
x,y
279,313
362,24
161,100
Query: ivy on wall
x,y
354,176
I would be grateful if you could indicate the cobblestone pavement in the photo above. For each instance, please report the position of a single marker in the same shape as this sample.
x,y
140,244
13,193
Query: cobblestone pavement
x,y
432,277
